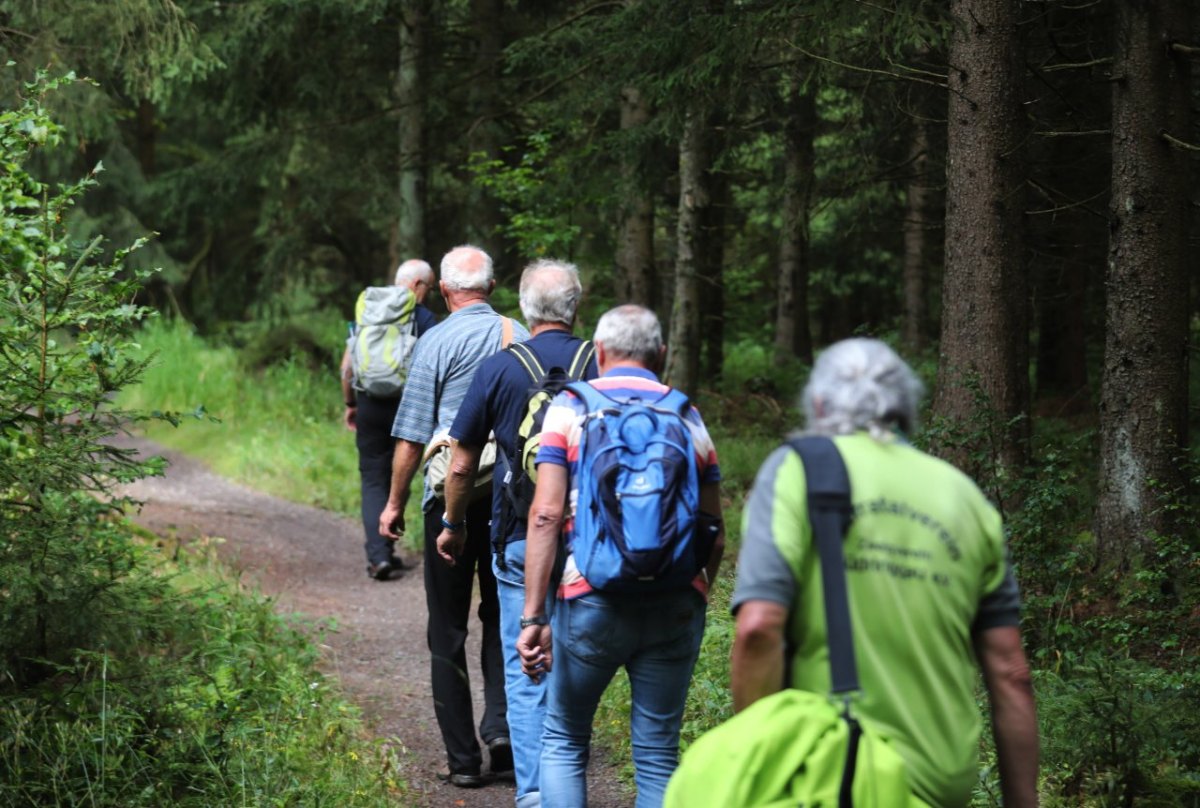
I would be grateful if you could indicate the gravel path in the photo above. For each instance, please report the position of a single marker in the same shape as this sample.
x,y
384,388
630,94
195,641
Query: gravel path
x,y
311,562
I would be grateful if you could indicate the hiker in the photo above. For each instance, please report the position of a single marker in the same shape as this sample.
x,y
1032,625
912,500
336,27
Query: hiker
x,y
929,582
443,365
499,400
370,416
614,613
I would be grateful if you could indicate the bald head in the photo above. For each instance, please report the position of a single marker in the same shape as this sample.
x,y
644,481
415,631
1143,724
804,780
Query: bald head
x,y
550,292
467,268
412,271
632,333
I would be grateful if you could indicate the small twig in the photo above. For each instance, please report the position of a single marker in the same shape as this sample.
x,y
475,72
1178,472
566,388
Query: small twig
x,y
1177,143
1190,51
1083,133
869,70
1077,65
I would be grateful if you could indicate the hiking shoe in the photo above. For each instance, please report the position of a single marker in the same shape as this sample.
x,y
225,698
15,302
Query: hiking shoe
x,y
462,780
381,571
397,563
500,755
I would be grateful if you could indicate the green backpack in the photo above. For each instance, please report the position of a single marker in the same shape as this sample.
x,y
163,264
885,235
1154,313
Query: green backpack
x,y
797,748
382,341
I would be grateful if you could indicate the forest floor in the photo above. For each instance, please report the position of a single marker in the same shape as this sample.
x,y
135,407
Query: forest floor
x,y
311,563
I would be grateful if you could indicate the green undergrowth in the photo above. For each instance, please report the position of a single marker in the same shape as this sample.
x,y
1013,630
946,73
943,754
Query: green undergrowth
x,y
276,428
194,693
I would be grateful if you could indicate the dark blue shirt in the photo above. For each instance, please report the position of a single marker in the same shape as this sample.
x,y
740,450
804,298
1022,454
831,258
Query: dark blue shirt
x,y
497,399
425,318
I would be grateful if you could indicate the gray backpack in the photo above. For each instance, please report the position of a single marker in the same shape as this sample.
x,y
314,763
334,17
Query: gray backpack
x,y
381,345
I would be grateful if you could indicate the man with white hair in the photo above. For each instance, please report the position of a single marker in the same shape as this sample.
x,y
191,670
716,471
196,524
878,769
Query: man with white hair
x,y
930,587
498,401
443,366
370,417
654,634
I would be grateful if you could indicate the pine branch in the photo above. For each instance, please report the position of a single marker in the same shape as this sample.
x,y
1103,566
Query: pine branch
x,y
869,70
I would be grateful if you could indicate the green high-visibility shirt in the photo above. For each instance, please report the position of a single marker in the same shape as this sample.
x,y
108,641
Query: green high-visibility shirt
x,y
926,567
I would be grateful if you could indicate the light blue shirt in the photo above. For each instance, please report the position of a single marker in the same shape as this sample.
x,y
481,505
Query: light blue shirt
x,y
443,364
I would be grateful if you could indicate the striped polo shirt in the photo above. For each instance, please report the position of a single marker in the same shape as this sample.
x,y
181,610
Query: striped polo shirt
x,y
443,364
563,427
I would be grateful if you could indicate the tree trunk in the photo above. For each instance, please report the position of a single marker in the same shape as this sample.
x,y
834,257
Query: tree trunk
x,y
793,335
147,137
916,229
635,232
683,352
1143,407
712,273
410,98
984,364
485,218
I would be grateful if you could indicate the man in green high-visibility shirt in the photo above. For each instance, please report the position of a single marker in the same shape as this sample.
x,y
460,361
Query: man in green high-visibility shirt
x,y
932,593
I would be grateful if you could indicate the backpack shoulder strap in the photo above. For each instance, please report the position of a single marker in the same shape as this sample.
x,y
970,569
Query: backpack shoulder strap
x,y
675,401
830,514
583,355
529,360
592,398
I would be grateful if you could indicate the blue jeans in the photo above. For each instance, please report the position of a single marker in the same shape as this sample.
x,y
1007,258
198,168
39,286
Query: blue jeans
x,y
526,698
657,639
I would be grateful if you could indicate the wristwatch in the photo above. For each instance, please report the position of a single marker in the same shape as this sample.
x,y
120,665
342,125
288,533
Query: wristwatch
x,y
539,620
453,527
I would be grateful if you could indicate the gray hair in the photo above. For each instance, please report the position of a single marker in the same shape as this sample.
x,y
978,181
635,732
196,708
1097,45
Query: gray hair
x,y
550,292
467,268
630,332
861,384
412,270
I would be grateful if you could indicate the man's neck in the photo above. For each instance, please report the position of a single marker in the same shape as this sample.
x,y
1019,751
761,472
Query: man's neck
x,y
457,302
543,327
620,364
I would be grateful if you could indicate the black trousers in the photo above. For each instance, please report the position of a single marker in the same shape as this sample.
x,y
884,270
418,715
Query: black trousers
x,y
373,437
448,593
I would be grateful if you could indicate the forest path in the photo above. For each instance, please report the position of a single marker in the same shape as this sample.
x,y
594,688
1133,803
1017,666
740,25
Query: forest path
x,y
310,562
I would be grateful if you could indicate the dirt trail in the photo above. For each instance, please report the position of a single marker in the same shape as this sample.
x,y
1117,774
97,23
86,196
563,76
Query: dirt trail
x,y
311,562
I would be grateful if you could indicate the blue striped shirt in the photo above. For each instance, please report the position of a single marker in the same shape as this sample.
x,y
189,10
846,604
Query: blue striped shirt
x,y
443,364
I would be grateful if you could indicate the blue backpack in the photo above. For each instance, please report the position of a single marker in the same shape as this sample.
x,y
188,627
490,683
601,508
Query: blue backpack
x,y
637,516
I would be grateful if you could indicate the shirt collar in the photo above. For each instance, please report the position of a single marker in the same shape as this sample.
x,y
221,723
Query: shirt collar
x,y
475,308
629,370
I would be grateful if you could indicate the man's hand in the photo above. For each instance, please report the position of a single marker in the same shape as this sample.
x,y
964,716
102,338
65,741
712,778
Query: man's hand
x,y
533,646
349,418
391,521
450,545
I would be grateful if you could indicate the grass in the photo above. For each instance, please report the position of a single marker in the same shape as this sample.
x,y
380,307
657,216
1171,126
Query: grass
x,y
197,694
277,429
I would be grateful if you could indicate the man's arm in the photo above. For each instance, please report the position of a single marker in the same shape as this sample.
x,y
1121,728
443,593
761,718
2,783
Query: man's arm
x,y
541,544
1014,718
710,502
348,395
406,456
460,479
757,652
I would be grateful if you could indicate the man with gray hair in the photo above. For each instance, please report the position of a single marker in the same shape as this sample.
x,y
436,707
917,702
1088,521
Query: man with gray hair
x,y
443,366
499,401
928,580
370,417
654,632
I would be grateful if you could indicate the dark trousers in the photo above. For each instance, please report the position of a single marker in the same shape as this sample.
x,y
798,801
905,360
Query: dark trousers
x,y
448,595
373,437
